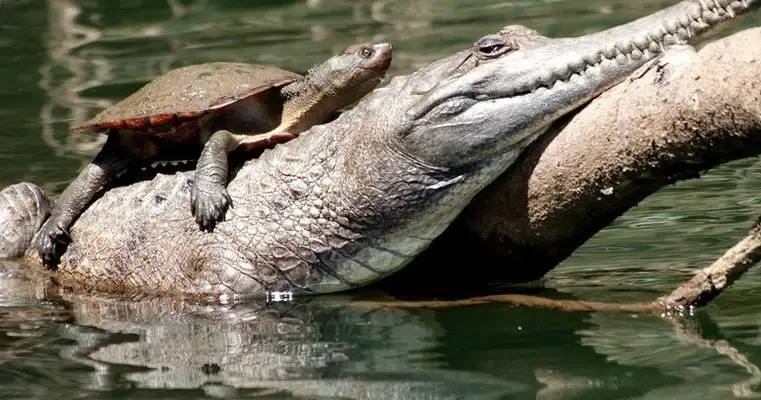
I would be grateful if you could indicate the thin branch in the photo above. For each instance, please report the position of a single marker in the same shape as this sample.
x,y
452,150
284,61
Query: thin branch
x,y
713,280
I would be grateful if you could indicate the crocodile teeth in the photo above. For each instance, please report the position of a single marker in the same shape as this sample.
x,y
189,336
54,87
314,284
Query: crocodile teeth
x,y
593,59
625,47
609,53
563,72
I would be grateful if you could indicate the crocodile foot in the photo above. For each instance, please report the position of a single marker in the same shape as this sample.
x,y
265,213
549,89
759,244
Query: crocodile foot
x,y
208,203
51,244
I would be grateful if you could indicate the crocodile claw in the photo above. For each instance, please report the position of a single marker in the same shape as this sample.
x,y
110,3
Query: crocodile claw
x,y
208,203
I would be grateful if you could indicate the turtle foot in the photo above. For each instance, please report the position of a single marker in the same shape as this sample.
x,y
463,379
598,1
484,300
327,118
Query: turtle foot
x,y
208,203
51,244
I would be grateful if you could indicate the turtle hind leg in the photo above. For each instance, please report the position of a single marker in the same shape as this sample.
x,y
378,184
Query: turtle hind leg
x,y
209,199
53,238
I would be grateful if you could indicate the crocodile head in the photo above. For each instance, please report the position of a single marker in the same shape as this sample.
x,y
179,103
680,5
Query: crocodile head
x,y
483,108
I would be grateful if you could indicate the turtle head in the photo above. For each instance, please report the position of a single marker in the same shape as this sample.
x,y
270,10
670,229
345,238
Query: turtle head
x,y
374,59
350,75
336,83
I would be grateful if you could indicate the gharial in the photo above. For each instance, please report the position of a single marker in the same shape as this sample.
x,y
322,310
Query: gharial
x,y
358,198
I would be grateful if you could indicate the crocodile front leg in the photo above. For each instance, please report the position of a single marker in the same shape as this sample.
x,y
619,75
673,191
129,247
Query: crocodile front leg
x,y
54,236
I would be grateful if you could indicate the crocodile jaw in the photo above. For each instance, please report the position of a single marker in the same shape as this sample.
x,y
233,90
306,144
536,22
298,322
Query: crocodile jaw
x,y
602,58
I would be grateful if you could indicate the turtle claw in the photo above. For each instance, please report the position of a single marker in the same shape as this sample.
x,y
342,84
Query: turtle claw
x,y
208,203
51,244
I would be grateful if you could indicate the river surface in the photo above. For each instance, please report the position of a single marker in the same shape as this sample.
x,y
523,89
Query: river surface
x,y
61,61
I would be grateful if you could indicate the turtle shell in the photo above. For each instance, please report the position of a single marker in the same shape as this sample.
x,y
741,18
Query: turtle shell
x,y
188,93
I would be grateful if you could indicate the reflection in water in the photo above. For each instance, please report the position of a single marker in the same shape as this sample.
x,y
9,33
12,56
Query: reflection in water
x,y
66,37
325,347
179,9
315,348
695,351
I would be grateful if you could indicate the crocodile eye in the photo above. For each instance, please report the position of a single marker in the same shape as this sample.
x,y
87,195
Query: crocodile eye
x,y
366,52
493,46
490,49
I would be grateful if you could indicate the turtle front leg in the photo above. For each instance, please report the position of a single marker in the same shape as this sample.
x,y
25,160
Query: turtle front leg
x,y
209,199
53,238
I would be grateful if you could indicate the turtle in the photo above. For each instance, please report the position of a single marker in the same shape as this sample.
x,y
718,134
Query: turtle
x,y
205,111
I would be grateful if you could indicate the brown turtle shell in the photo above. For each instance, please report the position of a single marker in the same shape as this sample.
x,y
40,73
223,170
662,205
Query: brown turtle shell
x,y
188,93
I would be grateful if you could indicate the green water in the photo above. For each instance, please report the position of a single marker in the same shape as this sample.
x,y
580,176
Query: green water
x,y
61,61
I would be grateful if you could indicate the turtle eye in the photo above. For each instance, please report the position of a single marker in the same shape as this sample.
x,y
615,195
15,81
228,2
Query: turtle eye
x,y
493,46
366,52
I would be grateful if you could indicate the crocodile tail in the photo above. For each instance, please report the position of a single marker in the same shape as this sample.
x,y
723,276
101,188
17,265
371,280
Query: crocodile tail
x,y
23,209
